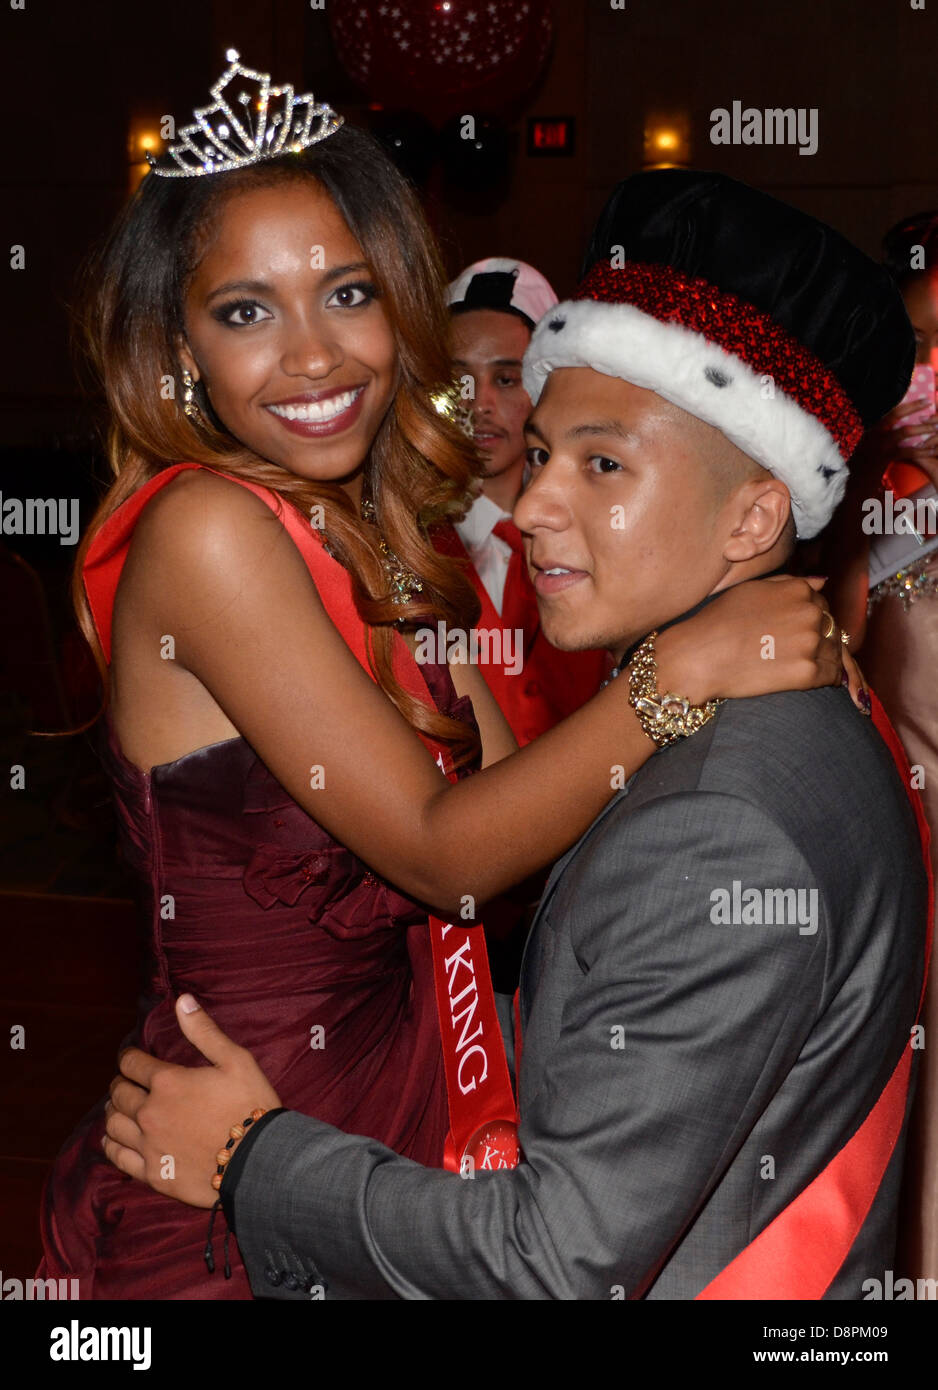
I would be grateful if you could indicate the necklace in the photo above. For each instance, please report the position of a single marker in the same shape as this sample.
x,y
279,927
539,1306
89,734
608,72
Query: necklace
x,y
402,581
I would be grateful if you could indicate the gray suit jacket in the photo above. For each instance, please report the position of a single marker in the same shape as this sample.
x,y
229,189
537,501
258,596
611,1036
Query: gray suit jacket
x,y
694,1052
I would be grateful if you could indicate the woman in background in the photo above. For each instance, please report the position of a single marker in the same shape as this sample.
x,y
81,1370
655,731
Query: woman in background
x,y
895,629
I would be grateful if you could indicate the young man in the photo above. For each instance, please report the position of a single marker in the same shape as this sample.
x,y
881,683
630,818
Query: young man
x,y
719,993
495,304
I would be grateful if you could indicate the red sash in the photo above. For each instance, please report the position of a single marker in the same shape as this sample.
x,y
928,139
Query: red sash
x,y
798,1254
483,1114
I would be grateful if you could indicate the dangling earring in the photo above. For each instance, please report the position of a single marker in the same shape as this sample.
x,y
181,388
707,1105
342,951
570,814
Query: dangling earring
x,y
189,406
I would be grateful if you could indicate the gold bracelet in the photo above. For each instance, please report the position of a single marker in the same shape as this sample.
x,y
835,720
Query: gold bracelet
x,y
664,718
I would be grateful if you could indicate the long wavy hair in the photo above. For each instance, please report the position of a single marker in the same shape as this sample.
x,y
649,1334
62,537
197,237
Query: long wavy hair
x,y
130,315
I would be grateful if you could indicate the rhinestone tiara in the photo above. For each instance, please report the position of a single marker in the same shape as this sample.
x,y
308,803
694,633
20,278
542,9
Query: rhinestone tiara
x,y
221,138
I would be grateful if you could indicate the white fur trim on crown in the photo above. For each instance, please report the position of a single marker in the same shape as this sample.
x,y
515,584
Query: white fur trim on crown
x,y
712,384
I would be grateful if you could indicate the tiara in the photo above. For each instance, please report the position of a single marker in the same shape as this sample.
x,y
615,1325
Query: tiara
x,y
232,140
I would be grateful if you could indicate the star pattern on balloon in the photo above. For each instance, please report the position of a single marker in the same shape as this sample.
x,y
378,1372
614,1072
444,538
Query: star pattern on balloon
x,y
437,57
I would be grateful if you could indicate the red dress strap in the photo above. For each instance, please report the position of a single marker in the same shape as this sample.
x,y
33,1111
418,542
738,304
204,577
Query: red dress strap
x,y
108,552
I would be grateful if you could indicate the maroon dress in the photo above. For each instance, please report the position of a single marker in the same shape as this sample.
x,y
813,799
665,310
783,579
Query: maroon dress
x,y
299,953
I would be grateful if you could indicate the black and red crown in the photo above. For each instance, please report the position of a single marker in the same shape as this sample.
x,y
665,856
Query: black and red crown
x,y
745,312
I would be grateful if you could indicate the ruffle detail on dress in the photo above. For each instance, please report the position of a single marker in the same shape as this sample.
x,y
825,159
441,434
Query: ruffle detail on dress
x,y
274,876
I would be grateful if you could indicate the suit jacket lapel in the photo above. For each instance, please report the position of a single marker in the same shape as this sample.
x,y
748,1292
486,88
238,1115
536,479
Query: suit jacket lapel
x,y
558,870
693,755
561,864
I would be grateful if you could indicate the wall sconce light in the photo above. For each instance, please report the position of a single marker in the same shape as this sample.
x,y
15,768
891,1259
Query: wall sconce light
x,y
667,140
143,138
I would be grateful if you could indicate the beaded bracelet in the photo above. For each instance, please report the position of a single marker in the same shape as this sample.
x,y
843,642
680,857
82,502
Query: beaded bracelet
x,y
235,1133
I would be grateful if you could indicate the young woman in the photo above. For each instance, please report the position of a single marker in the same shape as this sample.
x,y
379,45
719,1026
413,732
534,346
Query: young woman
x,y
897,625
274,745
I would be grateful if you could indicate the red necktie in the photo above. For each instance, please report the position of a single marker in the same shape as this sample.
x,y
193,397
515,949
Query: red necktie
x,y
519,604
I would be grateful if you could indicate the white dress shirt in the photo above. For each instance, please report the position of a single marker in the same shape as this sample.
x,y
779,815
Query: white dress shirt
x,y
489,554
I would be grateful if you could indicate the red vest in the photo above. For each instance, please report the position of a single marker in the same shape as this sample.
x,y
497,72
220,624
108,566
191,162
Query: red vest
x,y
550,685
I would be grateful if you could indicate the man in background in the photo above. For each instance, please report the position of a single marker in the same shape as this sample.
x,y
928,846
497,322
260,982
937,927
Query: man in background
x,y
495,304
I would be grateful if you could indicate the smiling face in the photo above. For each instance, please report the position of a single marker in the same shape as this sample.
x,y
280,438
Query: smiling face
x,y
286,330
644,508
488,345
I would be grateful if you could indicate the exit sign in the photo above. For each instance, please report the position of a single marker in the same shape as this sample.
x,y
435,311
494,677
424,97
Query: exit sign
x,y
551,135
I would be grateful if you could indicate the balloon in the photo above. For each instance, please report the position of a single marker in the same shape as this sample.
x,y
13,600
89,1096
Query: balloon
x,y
476,161
443,57
409,139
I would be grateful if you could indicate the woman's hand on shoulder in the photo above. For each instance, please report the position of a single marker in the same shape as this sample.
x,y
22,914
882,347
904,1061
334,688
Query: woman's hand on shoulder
x,y
756,637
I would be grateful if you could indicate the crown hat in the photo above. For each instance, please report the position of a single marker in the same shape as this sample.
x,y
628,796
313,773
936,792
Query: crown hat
x,y
228,137
747,313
